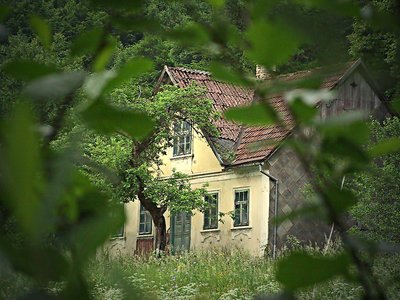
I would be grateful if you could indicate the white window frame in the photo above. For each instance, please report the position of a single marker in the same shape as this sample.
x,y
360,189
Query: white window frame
x,y
148,215
182,139
241,223
209,210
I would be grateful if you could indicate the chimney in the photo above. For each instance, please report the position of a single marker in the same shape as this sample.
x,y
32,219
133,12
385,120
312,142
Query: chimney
x,y
262,73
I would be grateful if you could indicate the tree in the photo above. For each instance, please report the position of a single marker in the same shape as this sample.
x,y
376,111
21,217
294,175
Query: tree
x,y
46,192
378,44
377,214
139,181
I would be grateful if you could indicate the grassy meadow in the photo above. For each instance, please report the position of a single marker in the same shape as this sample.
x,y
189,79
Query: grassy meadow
x,y
215,274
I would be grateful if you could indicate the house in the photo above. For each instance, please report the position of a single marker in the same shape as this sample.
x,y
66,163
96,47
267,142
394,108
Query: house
x,y
250,187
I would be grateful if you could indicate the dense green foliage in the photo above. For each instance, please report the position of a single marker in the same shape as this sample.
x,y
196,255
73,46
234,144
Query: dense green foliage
x,y
73,70
377,214
379,45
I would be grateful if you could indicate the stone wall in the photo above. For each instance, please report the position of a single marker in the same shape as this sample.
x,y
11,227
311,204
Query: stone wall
x,y
286,167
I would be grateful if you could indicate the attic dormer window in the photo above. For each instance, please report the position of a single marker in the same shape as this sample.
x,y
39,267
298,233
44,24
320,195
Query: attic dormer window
x,y
182,142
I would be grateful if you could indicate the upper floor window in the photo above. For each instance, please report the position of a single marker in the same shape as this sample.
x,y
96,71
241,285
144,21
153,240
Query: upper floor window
x,y
241,208
145,221
182,142
211,211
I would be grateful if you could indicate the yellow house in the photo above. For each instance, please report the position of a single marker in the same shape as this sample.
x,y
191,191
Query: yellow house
x,y
250,187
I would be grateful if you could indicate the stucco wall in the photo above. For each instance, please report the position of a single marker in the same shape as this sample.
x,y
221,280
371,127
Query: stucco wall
x,y
201,160
253,238
204,168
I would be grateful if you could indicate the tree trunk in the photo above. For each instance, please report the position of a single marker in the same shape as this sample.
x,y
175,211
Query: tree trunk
x,y
161,233
157,214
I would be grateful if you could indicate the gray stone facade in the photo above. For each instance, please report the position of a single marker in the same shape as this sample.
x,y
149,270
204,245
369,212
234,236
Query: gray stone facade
x,y
292,182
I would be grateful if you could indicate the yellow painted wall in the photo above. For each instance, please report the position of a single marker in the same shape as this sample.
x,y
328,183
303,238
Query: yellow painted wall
x,y
202,159
203,167
252,237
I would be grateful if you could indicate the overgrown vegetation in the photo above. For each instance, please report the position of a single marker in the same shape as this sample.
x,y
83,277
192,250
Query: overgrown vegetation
x,y
63,65
223,274
377,214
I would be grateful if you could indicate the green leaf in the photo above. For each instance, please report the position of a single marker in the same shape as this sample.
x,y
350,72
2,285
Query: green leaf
x,y
395,105
96,82
131,69
224,73
104,57
385,147
101,83
340,199
345,147
56,86
108,119
42,29
303,112
256,114
87,42
191,34
41,262
271,44
300,270
4,11
349,125
101,221
309,210
27,70
21,169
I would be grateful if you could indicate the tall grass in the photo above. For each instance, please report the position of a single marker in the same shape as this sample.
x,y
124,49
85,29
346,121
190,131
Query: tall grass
x,y
215,274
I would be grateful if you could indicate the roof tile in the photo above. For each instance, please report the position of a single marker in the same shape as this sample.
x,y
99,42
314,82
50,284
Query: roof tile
x,y
225,96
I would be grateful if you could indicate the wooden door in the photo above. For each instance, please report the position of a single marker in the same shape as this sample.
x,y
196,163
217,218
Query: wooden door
x,y
180,232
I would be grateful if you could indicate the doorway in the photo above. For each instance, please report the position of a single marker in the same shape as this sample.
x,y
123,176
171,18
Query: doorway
x,y
180,232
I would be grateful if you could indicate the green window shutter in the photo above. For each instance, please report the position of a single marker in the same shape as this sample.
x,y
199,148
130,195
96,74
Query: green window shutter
x,y
211,211
241,208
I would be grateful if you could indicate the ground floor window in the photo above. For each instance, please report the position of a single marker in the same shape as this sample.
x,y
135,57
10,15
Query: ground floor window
x,y
119,233
211,211
241,208
145,223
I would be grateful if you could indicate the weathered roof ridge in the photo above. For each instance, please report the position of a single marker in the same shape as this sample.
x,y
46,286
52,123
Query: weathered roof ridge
x,y
193,71
225,95
342,67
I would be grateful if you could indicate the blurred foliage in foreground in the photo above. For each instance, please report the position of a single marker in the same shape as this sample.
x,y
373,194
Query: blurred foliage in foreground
x,y
227,274
58,71
377,214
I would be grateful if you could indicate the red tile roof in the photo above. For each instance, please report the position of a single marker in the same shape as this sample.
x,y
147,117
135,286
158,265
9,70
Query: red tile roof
x,y
225,96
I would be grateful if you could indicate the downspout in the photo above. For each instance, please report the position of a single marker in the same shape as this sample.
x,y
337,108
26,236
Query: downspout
x,y
275,236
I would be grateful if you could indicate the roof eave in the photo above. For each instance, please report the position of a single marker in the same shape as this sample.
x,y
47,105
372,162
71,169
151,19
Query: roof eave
x,y
160,79
246,163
